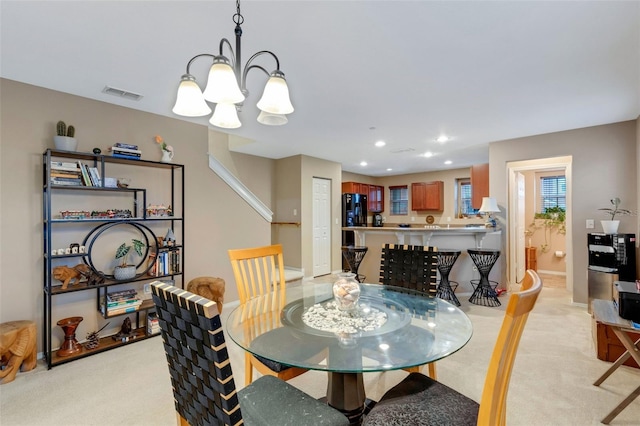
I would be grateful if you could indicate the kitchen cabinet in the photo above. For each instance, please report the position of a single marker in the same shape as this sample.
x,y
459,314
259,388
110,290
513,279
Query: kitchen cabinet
x,y
374,193
427,196
479,184
376,198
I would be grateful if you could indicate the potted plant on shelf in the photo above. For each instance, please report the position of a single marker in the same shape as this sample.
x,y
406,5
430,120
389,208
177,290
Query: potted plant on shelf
x,y
611,226
64,138
125,271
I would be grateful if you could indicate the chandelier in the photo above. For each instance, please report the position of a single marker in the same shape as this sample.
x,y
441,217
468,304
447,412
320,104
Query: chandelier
x,y
226,87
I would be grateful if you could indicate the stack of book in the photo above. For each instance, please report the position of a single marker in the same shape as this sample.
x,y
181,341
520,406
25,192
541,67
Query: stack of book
x,y
153,324
65,173
121,302
125,150
164,263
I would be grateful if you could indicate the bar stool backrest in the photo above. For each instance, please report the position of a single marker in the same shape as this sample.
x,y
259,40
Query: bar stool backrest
x,y
412,267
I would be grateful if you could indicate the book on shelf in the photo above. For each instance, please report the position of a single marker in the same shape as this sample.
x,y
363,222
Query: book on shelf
x,y
94,174
128,157
121,294
125,150
120,311
125,145
64,165
167,262
153,323
85,174
65,174
66,181
124,302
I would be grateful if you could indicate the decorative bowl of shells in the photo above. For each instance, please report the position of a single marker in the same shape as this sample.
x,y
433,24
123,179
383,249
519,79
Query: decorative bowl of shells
x,y
346,291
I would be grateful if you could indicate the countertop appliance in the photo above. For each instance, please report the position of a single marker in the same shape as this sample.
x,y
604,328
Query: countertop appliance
x,y
626,295
612,257
377,220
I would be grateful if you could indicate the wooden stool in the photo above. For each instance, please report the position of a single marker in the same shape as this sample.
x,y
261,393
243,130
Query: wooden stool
x,y
17,348
210,288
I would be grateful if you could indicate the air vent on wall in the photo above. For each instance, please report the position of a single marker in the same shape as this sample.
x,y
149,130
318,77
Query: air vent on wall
x,y
122,93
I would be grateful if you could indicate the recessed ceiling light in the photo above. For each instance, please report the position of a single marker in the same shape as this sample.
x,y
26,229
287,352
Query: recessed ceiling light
x,y
428,154
448,162
389,169
442,138
363,163
381,143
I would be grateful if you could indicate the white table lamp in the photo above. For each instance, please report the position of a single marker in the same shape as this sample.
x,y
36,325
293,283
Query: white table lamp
x,y
489,205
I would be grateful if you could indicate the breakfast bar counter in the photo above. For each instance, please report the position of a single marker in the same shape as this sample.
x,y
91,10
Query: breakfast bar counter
x,y
455,237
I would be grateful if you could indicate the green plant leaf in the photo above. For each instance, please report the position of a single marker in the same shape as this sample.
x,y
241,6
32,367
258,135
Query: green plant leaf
x,y
122,250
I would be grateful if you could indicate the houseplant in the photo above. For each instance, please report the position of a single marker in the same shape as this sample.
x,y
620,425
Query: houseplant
x,y
64,138
553,218
126,271
611,226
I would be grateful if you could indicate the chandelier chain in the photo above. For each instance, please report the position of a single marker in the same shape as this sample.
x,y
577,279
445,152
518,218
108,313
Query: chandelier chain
x,y
237,17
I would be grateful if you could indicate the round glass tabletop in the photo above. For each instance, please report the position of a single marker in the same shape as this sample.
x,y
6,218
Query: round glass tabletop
x,y
408,329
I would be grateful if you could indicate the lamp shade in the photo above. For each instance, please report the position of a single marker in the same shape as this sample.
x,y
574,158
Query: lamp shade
x,y
190,102
270,119
222,85
225,116
275,98
489,205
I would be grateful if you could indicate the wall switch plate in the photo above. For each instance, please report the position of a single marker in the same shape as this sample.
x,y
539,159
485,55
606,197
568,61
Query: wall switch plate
x,y
590,224
147,289
413,218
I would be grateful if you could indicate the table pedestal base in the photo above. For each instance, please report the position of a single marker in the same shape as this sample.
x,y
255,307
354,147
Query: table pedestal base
x,y
345,392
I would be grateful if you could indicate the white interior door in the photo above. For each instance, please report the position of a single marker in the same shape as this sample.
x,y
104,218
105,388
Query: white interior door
x,y
321,226
520,240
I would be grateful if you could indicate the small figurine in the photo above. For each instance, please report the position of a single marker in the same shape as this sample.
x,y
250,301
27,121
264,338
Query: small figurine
x,y
70,275
125,330
97,151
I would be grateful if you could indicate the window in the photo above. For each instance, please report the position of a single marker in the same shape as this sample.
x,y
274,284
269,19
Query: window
x,y
399,199
553,192
463,198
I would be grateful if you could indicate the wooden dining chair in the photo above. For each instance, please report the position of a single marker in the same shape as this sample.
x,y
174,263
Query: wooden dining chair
x,y
202,379
259,272
412,267
420,400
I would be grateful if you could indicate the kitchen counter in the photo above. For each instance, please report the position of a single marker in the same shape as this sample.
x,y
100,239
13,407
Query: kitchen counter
x,y
425,233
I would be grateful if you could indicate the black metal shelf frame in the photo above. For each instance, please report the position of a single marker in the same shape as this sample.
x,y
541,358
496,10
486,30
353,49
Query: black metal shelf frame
x,y
49,223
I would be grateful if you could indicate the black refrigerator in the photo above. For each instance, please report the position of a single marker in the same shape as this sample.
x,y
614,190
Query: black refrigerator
x,y
354,213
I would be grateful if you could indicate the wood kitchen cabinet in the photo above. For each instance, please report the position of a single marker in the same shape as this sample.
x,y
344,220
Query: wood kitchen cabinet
x,y
376,198
427,196
479,184
374,193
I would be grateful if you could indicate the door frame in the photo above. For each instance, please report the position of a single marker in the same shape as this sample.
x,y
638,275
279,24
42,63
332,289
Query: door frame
x,y
539,164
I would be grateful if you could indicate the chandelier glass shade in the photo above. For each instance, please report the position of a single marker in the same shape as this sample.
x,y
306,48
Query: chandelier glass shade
x,y
226,87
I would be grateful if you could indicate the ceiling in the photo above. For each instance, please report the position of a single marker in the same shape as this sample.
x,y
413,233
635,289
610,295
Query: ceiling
x,y
358,71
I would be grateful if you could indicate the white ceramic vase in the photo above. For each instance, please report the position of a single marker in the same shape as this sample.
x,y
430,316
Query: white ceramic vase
x,y
65,143
121,273
167,156
610,226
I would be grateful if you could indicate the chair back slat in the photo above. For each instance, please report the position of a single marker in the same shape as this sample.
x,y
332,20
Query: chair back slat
x,y
412,267
494,395
259,272
201,376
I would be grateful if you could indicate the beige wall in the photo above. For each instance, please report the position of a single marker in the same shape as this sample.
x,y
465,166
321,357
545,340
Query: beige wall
x,y
287,195
603,166
216,218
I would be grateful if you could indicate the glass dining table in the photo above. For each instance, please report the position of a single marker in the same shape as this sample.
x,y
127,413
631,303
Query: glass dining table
x,y
389,328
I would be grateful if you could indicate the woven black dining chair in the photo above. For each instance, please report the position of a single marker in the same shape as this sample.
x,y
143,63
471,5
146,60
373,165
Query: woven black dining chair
x,y
414,268
201,376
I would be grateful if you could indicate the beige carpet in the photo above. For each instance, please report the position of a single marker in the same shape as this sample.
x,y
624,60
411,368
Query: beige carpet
x,y
551,382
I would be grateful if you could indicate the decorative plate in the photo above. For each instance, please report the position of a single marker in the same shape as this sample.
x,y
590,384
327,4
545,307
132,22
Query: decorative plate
x,y
430,219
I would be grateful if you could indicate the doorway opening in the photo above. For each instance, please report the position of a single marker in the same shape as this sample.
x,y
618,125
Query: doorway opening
x,y
524,181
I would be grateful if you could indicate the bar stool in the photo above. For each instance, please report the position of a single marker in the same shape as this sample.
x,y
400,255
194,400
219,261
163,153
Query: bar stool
x,y
447,288
484,290
354,255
